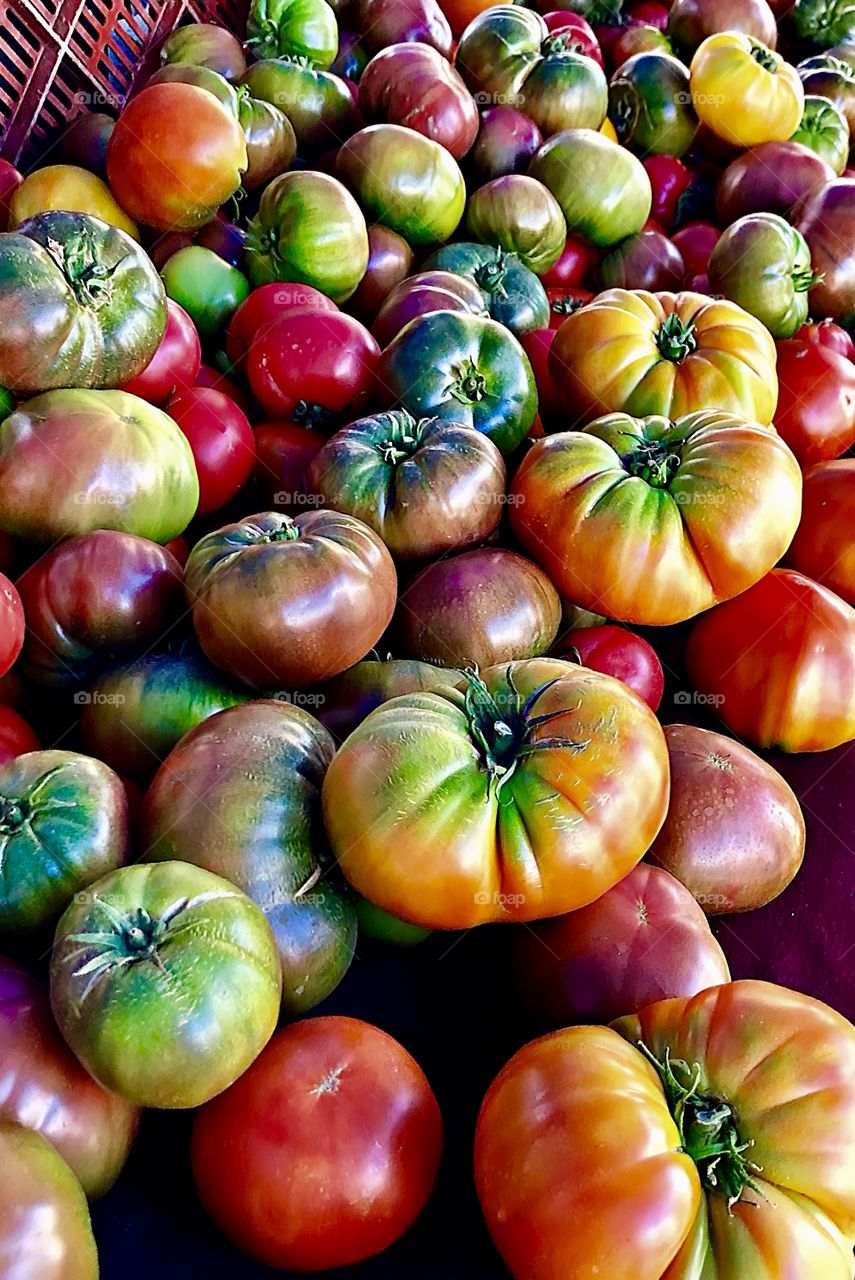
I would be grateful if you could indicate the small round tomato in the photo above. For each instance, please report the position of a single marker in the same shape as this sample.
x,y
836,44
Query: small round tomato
x,y
617,652
696,241
221,440
816,400
16,736
12,625
264,306
574,268
825,333
313,366
175,363
669,178
208,288
332,1103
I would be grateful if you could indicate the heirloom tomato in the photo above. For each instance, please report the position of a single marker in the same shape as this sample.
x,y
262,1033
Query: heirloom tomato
x,y
283,452
824,130
313,367
562,303
823,548
318,105
583,38
209,289
513,294
616,652
647,260
348,698
696,241
816,25
265,305
831,78
816,400
825,333
293,29
387,22
763,264
422,293
669,180
650,105
506,142
519,215
175,363
13,623
69,188
825,218
743,91
203,44
769,178
691,21
603,189
664,353
221,440
390,260
413,85
538,788
576,265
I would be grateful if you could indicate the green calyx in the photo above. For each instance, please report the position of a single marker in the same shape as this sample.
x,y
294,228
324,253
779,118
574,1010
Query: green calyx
x,y
306,414
490,276
14,814
469,385
675,339
566,306
708,1129
803,279
654,461
502,732
286,532
90,281
563,42
764,57
403,437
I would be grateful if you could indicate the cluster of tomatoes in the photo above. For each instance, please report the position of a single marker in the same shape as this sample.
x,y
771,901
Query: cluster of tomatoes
x,y
369,386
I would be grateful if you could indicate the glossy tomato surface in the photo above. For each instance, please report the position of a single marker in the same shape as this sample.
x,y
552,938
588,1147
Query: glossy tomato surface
x,y
822,548
16,736
175,363
12,624
618,652
221,440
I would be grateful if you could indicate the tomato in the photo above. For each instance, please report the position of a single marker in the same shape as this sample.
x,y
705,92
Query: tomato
x,y
390,260
506,142
770,178
425,487
696,241
202,44
537,345
318,105
583,39
405,181
348,698
271,144
10,179
816,400
521,217
379,925
75,461
645,939
702,507
221,440
635,39
620,653
602,188
650,105
265,305
647,260
743,91
562,303
498,833
822,548
211,377
45,1231
288,602
209,289
669,179
466,368
293,29
13,623
65,186
575,266
284,451
664,353
81,305
169,178
90,597
778,664
828,334
621,1151
422,293
44,1087
820,24
63,823
387,22
763,264
824,217
258,1162
313,367
175,363
832,78
734,835
165,981
513,294
691,21
310,230
823,128
478,609
352,57
16,736
413,85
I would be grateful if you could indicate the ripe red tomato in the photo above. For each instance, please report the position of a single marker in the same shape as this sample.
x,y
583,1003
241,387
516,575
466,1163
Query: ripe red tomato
x,y
325,1151
563,301
179,548
696,241
816,400
578,32
649,13
823,548
16,736
312,366
208,376
12,625
221,440
620,653
825,333
576,265
265,305
669,178
175,363
283,452
536,345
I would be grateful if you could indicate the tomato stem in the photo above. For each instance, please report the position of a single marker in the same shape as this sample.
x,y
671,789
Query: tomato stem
x,y
655,461
469,385
764,57
490,276
675,338
13,815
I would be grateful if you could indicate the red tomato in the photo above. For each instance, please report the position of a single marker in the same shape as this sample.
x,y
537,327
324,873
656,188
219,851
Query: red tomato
x,y
16,736
208,376
563,301
179,548
12,625
669,178
649,13
577,264
536,344
313,366
825,333
324,1152
816,400
175,363
620,653
284,451
10,180
221,440
823,548
580,32
696,241
266,304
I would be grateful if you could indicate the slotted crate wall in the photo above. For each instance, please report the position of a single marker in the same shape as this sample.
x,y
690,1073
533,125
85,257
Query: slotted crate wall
x,y
61,57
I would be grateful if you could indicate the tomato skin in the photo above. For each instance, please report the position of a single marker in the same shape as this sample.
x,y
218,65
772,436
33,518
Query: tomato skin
x,y
574,268
745,100
696,241
209,288
518,214
826,333
258,1163
203,44
691,21
175,363
669,178
816,400
222,442
603,189
422,293
208,376
506,142
306,362
284,451
647,260
264,306
16,736
645,939
390,260
649,102
822,548
284,29
779,663
620,653
413,85
513,294
12,625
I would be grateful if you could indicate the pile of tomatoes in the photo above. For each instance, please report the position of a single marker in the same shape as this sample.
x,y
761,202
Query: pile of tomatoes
x,y
396,401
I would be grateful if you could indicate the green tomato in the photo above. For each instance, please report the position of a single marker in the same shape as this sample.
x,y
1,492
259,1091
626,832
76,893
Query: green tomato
x,y
816,25
763,264
382,926
514,296
293,28
318,104
824,129
208,288
518,214
650,105
603,189
165,981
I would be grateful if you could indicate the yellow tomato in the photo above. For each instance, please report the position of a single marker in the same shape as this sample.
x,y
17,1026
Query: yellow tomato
x,y
608,130
743,92
65,186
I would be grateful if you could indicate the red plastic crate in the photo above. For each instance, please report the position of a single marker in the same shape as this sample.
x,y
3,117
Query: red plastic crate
x,y
61,57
